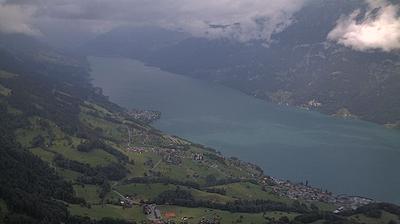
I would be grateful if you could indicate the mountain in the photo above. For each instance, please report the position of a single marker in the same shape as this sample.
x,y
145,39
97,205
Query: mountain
x,y
300,67
69,155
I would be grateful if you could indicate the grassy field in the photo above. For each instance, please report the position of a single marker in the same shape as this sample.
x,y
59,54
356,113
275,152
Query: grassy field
x,y
4,91
144,191
322,206
112,130
112,211
13,110
250,191
60,144
3,210
43,154
217,198
26,135
6,75
386,218
194,215
89,192
188,170
89,107
68,174
151,191
94,158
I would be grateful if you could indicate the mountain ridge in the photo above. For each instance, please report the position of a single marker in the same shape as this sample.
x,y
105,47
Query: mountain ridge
x,y
293,69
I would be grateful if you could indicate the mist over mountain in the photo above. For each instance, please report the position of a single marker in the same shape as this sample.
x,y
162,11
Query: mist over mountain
x,y
300,67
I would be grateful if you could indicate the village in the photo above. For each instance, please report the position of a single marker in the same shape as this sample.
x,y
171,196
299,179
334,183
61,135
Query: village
x,y
294,191
301,191
282,188
176,153
145,116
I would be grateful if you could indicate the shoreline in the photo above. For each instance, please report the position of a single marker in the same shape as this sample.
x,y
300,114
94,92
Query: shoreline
x,y
313,111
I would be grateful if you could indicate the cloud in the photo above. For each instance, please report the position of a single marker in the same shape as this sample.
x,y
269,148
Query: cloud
x,y
237,19
16,19
376,29
243,20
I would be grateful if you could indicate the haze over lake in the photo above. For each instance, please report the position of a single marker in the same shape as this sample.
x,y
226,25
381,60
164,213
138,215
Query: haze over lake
x,y
343,156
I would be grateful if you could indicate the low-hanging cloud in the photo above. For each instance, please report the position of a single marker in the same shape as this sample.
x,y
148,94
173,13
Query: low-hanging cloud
x,y
377,29
237,19
16,19
243,20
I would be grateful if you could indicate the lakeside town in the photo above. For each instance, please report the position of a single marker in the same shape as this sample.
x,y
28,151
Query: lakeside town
x,y
282,188
175,155
301,191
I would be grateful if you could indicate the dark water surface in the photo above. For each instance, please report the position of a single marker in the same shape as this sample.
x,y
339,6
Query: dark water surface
x,y
344,156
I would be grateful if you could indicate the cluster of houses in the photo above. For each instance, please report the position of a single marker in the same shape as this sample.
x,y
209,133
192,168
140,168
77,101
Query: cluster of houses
x,y
351,202
306,192
198,157
314,103
299,191
126,202
137,149
152,212
169,155
146,116
172,158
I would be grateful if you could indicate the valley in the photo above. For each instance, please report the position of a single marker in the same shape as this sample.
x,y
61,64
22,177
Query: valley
x,y
199,112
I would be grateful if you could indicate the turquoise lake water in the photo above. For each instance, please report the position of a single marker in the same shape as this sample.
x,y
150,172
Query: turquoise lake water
x,y
344,156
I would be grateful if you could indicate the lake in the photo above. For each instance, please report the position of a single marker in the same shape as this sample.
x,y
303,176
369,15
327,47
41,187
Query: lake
x,y
344,156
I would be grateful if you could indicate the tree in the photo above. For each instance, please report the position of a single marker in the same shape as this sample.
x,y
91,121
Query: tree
x,y
38,141
211,179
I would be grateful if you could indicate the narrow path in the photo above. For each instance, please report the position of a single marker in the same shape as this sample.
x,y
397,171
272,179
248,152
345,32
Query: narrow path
x,y
126,199
119,194
158,163
129,136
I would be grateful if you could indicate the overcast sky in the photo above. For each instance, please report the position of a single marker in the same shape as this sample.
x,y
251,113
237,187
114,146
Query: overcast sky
x,y
242,20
